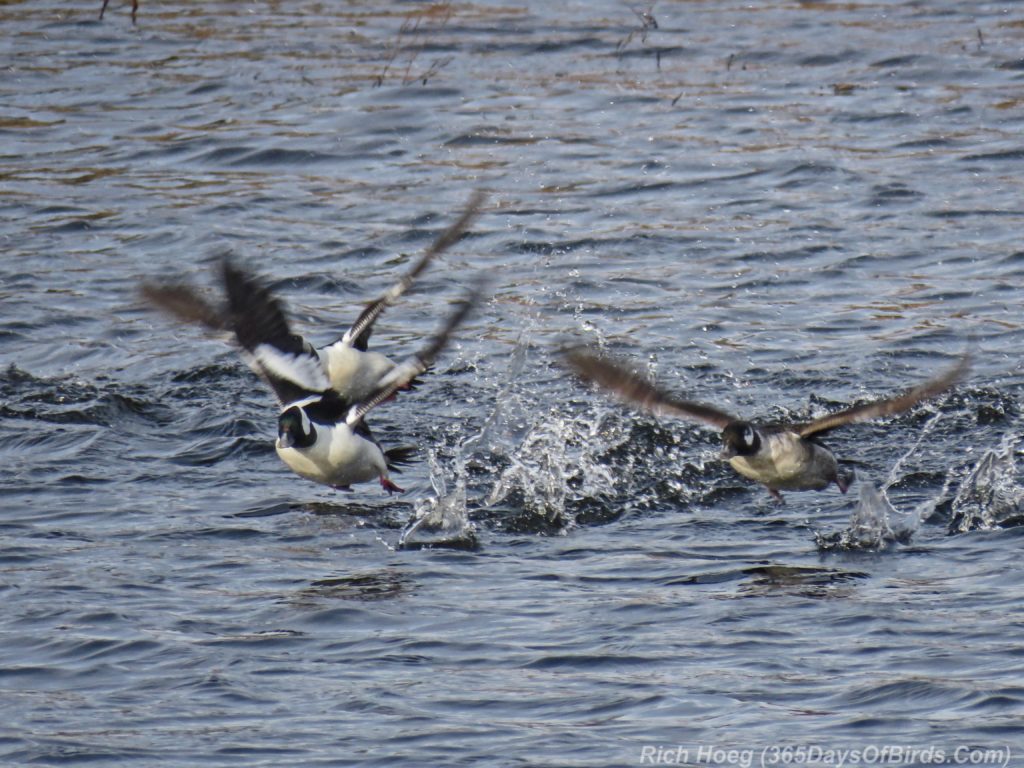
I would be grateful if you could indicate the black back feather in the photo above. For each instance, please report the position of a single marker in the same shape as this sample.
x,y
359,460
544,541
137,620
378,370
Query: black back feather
x,y
330,409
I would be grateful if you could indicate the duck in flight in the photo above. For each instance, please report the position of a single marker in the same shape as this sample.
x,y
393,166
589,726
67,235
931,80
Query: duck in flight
x,y
322,430
322,434
324,437
782,457
257,318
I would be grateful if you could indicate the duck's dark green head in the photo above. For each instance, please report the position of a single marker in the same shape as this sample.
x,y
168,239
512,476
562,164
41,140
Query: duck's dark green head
x,y
294,429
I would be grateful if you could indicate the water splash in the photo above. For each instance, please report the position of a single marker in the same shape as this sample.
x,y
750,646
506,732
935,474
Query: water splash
x,y
923,434
552,459
533,466
443,519
556,464
874,525
445,516
990,497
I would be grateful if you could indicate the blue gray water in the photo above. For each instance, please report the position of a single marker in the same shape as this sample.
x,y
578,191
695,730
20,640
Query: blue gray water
x,y
781,208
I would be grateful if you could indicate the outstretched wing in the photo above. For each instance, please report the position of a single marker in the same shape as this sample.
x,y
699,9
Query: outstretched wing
x,y
359,334
419,362
285,360
183,302
889,406
638,391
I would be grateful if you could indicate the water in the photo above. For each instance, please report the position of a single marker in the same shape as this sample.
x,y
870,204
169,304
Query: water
x,y
781,209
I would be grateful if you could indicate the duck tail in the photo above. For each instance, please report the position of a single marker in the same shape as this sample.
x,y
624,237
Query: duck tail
x,y
402,456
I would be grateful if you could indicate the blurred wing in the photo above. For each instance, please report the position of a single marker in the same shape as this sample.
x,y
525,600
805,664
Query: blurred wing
x,y
888,406
285,360
184,303
421,361
634,389
359,334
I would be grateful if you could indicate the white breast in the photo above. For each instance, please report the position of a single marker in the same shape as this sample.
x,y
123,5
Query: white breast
x,y
338,457
787,462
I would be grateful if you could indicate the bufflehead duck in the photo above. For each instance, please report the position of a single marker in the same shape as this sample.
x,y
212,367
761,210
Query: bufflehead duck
x,y
783,457
324,437
284,358
356,372
322,434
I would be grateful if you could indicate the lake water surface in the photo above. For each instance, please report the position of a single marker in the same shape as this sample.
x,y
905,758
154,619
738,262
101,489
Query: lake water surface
x,y
780,208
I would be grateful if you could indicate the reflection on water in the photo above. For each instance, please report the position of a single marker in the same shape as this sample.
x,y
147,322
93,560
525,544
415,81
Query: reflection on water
x,y
372,586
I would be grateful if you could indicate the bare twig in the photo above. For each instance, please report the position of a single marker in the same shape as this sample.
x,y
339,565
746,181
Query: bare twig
x,y
410,42
135,9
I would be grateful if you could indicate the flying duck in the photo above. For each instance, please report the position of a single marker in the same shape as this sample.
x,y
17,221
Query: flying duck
x,y
257,319
322,431
324,437
782,457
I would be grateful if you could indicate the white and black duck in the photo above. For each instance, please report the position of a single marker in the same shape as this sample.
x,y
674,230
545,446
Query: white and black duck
x,y
257,319
324,437
322,429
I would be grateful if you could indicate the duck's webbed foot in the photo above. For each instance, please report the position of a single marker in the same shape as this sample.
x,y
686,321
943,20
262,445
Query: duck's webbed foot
x,y
776,495
390,487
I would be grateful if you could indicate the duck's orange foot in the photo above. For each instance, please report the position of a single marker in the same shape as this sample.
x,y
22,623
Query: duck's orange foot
x,y
843,482
389,486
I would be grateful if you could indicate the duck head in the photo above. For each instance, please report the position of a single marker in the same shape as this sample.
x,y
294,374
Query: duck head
x,y
294,429
740,438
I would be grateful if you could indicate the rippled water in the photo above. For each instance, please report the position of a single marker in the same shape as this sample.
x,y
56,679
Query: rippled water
x,y
781,208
